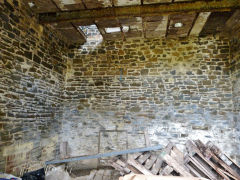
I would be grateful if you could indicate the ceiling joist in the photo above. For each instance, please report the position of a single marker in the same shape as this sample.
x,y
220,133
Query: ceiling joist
x,y
139,11
199,24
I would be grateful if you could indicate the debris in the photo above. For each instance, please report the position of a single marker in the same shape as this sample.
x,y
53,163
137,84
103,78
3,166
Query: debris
x,y
8,176
144,177
202,161
60,172
35,175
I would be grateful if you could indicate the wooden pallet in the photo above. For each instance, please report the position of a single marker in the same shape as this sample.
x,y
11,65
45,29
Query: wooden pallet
x,y
102,174
169,162
202,162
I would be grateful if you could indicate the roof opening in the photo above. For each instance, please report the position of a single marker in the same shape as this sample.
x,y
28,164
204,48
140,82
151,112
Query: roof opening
x,y
91,31
178,25
125,28
31,4
112,29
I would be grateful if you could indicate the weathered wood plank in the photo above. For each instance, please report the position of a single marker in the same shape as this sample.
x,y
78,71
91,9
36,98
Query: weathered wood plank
x,y
92,175
167,170
199,23
177,155
132,169
138,11
192,148
176,166
156,167
138,166
201,167
145,156
135,155
119,168
149,163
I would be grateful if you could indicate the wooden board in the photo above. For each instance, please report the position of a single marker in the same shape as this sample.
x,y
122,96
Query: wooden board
x,y
156,167
176,166
144,157
166,170
193,149
149,163
139,166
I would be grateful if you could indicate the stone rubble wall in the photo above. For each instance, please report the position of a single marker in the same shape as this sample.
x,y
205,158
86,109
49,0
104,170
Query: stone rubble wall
x,y
32,69
175,89
235,72
103,96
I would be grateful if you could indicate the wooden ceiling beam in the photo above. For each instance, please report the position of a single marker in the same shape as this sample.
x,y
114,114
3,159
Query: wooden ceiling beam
x,y
199,23
140,11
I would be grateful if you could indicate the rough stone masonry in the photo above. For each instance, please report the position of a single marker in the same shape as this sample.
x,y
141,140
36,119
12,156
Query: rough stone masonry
x,y
103,96
175,89
32,64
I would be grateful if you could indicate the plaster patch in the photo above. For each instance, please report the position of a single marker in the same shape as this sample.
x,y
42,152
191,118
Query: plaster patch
x,y
52,140
17,149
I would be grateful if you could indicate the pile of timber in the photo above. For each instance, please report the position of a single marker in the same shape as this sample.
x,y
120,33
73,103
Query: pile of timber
x,y
200,160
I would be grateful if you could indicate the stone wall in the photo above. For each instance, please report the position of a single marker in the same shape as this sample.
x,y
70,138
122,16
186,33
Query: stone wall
x,y
103,96
32,65
235,70
174,89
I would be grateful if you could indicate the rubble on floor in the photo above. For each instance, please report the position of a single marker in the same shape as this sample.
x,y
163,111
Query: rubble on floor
x,y
60,172
198,162
201,160
4,176
145,177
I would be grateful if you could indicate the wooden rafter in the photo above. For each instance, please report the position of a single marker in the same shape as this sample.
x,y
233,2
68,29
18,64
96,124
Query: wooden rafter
x,y
139,11
199,23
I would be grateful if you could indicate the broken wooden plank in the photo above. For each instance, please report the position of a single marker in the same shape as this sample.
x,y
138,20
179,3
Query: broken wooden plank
x,y
139,166
132,169
193,149
200,168
92,175
193,171
176,166
119,168
135,155
167,170
223,157
107,174
149,163
177,155
144,157
217,160
124,165
156,167
99,175
229,175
